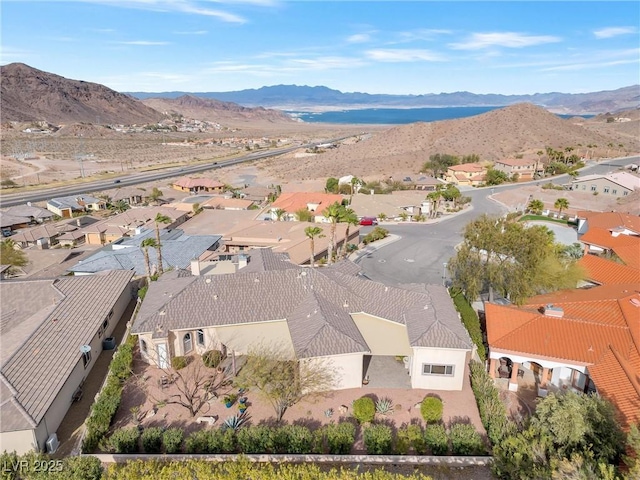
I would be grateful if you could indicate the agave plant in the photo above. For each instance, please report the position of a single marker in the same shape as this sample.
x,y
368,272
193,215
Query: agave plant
x,y
235,422
328,412
384,406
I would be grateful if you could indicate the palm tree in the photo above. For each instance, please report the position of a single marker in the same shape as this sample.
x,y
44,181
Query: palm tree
x,y
160,218
155,195
279,213
333,213
539,153
145,245
312,233
434,198
354,181
536,206
120,206
382,217
350,218
561,204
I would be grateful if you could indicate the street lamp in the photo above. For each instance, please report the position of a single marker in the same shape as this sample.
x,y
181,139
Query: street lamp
x,y
444,274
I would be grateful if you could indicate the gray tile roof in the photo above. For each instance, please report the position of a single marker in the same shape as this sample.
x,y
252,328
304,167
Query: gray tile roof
x,y
177,251
9,220
42,363
315,302
72,201
37,213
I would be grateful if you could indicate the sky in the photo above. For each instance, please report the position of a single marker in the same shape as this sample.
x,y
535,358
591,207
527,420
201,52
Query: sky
x,y
393,47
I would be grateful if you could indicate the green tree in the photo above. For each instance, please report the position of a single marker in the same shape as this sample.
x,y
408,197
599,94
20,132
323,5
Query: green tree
x,y
382,217
160,218
11,255
439,163
350,218
281,379
304,215
279,213
561,204
312,233
120,206
331,186
535,206
155,195
145,245
333,213
495,177
451,194
516,260
434,198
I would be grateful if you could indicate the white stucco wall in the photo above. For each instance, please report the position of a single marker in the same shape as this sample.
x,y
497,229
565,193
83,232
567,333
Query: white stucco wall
x,y
438,356
347,369
20,441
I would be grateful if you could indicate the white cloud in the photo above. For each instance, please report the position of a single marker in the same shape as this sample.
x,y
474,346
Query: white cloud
x,y
587,65
403,55
359,38
614,31
478,41
143,43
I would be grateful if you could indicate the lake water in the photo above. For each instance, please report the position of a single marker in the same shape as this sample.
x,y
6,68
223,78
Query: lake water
x,y
394,116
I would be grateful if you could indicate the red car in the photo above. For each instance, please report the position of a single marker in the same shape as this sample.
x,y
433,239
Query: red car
x,y
368,221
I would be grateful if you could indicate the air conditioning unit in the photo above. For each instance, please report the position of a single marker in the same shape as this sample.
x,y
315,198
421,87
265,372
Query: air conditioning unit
x,y
52,443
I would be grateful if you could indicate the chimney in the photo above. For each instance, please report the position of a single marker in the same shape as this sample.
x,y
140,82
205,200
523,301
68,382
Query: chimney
x,y
195,267
242,261
552,311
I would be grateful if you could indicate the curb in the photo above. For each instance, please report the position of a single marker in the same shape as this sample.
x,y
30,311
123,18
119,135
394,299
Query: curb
x,y
372,247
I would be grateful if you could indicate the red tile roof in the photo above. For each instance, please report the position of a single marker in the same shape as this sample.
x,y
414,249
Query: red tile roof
x,y
291,202
468,167
608,220
603,271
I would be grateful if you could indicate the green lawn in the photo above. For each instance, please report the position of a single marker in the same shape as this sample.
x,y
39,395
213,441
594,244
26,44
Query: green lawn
x,y
528,218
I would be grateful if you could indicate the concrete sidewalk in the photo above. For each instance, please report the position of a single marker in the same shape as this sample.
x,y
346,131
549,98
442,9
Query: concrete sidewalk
x,y
372,247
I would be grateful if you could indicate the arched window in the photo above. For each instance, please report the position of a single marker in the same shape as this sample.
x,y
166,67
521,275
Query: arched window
x,y
187,343
143,346
200,337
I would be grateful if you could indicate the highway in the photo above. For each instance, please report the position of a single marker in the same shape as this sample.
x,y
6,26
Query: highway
x,y
9,200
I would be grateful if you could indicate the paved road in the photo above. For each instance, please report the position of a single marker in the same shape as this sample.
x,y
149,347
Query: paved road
x,y
419,256
10,200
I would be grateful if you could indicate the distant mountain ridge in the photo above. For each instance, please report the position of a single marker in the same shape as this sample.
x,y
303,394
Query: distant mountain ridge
x,y
298,97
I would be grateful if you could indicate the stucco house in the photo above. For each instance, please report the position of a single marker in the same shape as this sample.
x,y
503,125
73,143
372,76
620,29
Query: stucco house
x,y
197,185
44,325
619,184
330,313
315,202
525,169
466,174
65,207
582,340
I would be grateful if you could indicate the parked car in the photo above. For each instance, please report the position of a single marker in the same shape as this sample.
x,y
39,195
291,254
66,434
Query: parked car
x,y
368,221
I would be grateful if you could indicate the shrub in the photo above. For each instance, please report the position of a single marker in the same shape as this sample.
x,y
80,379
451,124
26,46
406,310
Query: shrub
x,y
470,320
378,440
86,468
416,439
124,440
340,438
465,440
364,409
211,441
178,363
378,233
436,439
212,358
402,443
152,440
431,409
172,440
299,439
255,439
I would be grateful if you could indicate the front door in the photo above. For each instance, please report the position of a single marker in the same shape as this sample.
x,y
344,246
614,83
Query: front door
x,y
162,356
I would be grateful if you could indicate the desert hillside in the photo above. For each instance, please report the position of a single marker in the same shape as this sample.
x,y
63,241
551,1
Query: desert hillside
x,y
29,94
518,129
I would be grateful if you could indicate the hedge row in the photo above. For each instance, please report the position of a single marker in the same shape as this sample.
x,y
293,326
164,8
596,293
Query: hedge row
x,y
106,406
470,320
335,439
39,466
493,412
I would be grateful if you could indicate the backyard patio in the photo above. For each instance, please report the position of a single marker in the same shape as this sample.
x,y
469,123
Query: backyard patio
x,y
148,393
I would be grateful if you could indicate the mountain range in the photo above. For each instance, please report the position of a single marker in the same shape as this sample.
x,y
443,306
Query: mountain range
x,y
294,97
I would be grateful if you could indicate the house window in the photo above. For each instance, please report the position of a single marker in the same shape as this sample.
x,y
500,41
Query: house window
x,y
86,358
584,187
614,191
200,337
625,193
578,380
593,188
429,369
143,346
187,343
606,189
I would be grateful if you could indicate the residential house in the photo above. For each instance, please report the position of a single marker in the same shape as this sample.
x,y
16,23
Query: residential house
x,y
258,194
582,340
466,174
426,183
34,214
525,169
126,253
197,185
394,206
330,314
126,224
129,195
315,202
42,236
218,202
9,222
287,237
66,207
52,334
618,184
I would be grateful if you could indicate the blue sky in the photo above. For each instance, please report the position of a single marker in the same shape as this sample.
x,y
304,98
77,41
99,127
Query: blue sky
x,y
396,47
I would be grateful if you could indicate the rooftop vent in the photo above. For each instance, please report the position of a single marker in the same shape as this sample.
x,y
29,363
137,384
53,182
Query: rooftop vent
x,y
635,302
552,311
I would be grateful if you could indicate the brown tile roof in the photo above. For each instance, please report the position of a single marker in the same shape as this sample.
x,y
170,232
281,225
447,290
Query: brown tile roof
x,y
291,202
608,220
41,365
227,203
517,162
603,271
33,234
328,295
468,167
186,182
